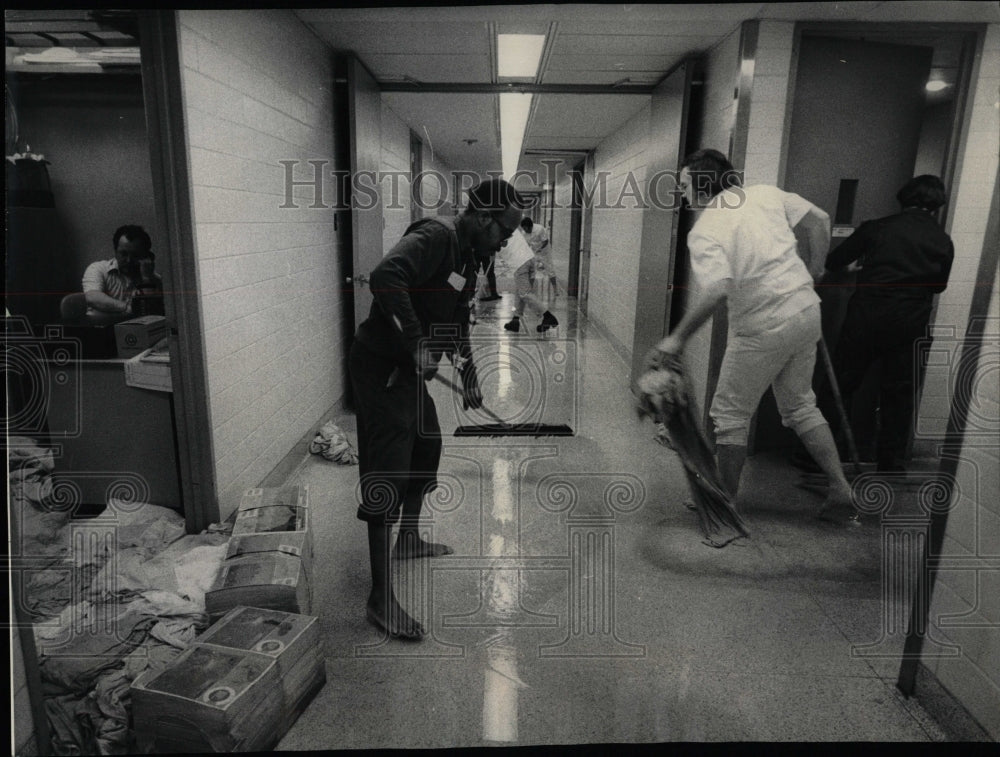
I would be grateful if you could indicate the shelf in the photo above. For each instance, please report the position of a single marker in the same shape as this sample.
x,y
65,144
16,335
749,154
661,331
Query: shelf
x,y
62,68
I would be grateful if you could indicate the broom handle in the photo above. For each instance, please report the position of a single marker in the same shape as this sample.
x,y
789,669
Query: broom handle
x,y
844,420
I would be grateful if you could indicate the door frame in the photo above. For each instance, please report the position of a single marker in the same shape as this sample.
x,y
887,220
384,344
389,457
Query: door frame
x,y
972,47
364,238
575,228
416,173
660,224
168,156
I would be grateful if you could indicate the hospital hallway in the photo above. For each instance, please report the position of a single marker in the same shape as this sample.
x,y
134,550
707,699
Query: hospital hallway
x,y
581,605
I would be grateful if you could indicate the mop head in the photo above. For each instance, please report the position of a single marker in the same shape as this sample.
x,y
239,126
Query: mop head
x,y
665,396
515,429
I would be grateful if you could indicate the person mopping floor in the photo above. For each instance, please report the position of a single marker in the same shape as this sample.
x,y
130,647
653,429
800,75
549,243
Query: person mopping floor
x,y
521,254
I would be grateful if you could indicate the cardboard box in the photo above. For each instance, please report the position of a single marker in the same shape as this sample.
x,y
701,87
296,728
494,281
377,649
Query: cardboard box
x,y
209,699
139,334
294,641
269,580
145,373
277,528
289,496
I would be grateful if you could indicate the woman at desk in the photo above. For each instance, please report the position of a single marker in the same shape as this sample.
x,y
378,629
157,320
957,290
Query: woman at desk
x,y
109,286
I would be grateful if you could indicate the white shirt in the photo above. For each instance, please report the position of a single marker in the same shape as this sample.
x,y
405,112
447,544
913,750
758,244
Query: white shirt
x,y
747,237
538,237
104,276
516,252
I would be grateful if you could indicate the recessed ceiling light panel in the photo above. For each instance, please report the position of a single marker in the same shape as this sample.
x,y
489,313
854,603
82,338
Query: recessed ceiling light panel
x,y
518,55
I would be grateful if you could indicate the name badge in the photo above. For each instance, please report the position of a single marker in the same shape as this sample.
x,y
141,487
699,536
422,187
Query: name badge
x,y
457,281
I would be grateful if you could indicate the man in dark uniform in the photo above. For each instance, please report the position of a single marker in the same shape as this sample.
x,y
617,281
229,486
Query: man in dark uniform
x,y
902,261
422,289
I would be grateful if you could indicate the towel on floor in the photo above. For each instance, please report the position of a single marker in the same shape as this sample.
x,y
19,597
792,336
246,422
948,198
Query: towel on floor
x,y
332,443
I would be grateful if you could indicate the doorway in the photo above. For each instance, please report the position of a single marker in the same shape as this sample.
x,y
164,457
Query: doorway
x,y
862,123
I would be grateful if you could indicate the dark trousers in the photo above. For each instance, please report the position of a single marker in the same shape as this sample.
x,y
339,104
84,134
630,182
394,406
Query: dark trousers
x,y
399,438
888,330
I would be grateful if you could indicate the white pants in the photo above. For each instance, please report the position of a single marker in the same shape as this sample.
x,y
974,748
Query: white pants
x,y
524,291
784,358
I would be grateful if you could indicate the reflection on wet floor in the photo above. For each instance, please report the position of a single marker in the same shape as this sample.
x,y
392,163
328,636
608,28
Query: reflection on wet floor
x,y
581,606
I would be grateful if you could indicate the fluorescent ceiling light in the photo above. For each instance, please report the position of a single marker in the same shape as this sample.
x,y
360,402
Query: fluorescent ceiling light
x,y
519,55
514,109
936,85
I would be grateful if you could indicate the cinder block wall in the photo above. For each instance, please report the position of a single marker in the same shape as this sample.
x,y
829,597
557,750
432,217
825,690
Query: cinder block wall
x,y
770,97
616,236
258,89
965,608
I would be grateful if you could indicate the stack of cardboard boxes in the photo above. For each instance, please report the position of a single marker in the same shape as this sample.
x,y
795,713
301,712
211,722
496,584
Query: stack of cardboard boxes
x,y
269,562
219,695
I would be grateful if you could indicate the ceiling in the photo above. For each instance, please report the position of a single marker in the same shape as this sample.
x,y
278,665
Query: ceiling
x,y
623,49
437,65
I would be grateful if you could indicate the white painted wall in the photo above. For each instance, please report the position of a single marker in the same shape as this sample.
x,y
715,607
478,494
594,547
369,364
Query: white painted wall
x,y
616,236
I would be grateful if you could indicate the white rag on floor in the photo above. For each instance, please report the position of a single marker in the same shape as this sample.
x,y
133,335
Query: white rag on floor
x,y
332,443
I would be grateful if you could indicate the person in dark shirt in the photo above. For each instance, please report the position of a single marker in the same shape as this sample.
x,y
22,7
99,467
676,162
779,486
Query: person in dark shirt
x,y
422,294
902,261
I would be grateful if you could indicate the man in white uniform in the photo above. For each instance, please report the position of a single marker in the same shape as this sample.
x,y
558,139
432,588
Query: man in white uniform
x,y
743,251
521,254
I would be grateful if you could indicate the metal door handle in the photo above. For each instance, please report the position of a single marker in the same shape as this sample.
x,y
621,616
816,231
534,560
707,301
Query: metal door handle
x,y
361,279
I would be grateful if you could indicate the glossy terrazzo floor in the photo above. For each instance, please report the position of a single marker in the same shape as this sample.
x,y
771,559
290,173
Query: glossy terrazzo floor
x,y
581,606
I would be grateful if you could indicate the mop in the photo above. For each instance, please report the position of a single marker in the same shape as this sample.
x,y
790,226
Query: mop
x,y
666,396
501,427
845,424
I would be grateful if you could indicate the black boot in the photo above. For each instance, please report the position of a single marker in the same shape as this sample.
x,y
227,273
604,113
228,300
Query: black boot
x,y
514,325
548,322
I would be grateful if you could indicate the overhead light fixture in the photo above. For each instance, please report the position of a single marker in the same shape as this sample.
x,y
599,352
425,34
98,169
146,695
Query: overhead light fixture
x,y
519,55
936,85
514,110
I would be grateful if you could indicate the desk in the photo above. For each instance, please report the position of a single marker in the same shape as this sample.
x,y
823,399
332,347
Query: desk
x,y
116,440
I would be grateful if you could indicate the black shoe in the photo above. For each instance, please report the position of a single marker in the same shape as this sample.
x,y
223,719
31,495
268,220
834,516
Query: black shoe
x,y
548,322
491,298
514,325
